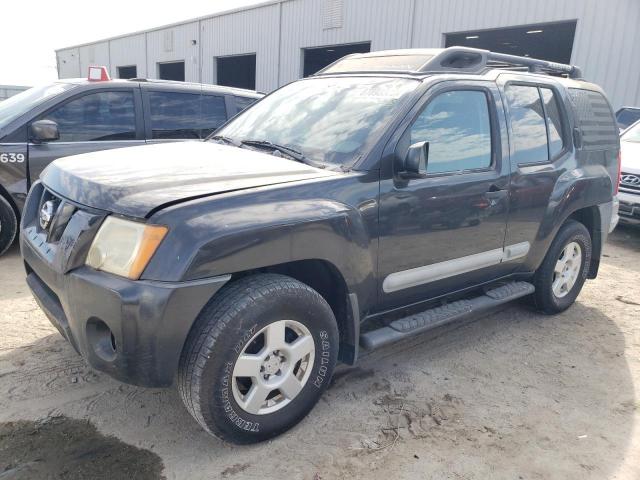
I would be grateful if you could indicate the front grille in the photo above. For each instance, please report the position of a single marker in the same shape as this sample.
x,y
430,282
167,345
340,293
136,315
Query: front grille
x,y
53,215
630,183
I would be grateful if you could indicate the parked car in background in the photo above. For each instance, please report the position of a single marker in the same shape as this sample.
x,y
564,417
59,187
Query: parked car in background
x,y
627,116
629,194
69,117
388,194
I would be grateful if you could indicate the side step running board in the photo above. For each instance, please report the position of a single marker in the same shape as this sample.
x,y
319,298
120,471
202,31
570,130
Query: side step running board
x,y
423,321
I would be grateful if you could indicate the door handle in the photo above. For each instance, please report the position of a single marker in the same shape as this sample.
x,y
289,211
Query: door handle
x,y
495,193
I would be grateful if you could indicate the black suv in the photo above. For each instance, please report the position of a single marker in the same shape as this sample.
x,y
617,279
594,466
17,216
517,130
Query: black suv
x,y
387,195
78,116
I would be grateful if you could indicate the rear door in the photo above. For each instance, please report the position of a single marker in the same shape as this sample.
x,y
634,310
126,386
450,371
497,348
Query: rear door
x,y
445,232
541,148
178,114
98,119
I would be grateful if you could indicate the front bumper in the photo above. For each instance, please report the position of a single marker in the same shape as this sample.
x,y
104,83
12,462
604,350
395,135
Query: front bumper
x,y
629,208
132,330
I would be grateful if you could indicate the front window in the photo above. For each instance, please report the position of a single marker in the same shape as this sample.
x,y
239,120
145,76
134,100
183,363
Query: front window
x,y
13,107
457,126
328,120
96,117
633,134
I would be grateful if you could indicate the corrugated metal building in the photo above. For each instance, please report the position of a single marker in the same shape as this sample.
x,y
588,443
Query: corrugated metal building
x,y
7,91
270,44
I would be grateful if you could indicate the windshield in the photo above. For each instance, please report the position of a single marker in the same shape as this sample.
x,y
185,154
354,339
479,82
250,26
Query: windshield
x,y
329,120
633,134
13,107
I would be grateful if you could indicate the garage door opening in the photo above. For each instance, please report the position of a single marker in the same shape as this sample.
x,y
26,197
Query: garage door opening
x,y
237,71
127,72
171,71
317,58
549,41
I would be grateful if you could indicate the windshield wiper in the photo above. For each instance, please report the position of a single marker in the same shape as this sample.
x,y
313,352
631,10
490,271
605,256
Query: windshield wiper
x,y
289,151
228,140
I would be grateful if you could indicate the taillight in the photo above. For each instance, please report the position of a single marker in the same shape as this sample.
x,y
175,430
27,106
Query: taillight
x,y
617,185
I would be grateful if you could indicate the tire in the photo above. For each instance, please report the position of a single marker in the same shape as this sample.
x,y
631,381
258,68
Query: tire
x,y
551,297
8,225
236,326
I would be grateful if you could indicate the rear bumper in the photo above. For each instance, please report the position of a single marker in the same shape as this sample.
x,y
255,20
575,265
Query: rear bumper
x,y
629,208
132,330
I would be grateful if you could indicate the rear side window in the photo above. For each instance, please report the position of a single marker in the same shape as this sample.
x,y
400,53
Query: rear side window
x,y
554,121
101,116
457,126
244,102
214,114
528,127
595,120
175,115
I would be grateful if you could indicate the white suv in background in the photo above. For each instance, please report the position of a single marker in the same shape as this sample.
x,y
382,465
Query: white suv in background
x,y
629,194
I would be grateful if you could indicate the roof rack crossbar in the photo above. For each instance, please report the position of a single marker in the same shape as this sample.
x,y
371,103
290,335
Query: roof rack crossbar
x,y
472,60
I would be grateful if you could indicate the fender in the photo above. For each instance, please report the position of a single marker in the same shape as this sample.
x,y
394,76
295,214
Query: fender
x,y
575,189
275,225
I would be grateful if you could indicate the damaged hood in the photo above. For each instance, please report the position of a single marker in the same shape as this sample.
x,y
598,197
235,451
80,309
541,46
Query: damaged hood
x,y
138,180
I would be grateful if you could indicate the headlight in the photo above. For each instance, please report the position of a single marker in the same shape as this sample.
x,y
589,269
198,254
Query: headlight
x,y
123,247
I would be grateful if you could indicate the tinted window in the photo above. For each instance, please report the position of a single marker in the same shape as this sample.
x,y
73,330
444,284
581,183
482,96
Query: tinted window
x,y
243,102
457,126
527,124
627,116
175,115
595,120
214,114
101,116
554,121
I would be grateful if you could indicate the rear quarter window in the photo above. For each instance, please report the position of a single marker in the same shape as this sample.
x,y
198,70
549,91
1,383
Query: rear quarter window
x,y
595,119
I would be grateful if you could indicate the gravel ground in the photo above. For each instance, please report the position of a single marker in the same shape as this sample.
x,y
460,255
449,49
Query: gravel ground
x,y
513,395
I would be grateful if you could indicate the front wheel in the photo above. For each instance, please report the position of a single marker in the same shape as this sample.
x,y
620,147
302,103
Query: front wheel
x,y
564,269
258,358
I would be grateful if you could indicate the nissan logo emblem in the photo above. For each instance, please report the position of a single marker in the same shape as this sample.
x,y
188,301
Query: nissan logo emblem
x,y
46,214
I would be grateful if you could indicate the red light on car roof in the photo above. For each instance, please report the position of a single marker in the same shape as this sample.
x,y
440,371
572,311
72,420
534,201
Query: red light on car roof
x,y
98,74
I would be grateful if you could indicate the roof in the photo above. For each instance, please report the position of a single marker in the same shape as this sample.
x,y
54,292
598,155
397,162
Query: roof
x,y
205,86
443,60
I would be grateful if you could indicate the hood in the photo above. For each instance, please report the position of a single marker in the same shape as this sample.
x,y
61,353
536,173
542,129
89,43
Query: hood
x,y
138,180
630,152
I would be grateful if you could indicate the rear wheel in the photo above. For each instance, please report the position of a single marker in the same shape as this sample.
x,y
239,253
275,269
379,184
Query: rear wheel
x,y
8,225
564,270
258,358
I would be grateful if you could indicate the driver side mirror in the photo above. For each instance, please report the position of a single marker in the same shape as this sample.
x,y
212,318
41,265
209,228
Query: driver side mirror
x,y
44,131
415,162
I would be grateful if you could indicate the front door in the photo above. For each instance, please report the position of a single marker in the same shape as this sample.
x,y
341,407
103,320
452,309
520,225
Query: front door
x,y
445,232
96,120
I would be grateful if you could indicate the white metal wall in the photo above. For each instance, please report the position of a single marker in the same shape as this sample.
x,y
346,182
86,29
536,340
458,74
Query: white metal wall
x,y
172,45
129,51
382,22
94,54
250,31
68,63
605,44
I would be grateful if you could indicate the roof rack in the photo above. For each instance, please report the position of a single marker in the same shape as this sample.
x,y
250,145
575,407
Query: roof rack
x,y
459,60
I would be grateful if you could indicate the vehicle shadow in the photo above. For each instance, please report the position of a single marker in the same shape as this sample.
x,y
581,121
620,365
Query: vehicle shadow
x,y
513,393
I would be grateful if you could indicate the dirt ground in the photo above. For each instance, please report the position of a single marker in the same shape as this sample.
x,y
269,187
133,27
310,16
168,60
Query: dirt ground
x,y
514,395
